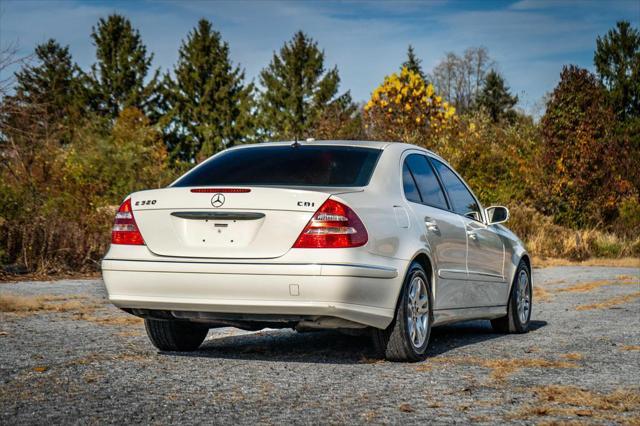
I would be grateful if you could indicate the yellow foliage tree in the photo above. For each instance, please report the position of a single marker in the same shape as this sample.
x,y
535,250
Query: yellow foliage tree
x,y
405,108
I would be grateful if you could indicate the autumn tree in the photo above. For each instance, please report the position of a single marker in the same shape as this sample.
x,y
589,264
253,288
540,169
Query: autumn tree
x,y
296,89
119,78
617,62
581,155
209,106
405,108
496,99
340,120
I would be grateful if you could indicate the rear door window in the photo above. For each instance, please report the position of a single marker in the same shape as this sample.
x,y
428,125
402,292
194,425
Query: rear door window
x,y
286,165
409,184
430,190
463,202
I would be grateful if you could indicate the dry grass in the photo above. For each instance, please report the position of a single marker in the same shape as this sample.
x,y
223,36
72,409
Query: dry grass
x,y
541,294
630,348
501,369
571,401
406,408
548,242
46,303
113,320
573,356
623,262
367,360
614,301
588,286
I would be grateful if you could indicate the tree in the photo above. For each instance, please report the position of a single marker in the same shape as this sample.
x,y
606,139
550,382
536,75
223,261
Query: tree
x,y
54,82
581,153
209,106
496,99
297,89
340,120
413,63
407,109
118,77
617,62
460,78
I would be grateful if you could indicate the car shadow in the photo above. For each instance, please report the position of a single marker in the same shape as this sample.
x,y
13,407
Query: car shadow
x,y
332,347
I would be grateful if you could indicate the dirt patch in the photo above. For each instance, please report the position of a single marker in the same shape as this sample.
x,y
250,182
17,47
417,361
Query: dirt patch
x,y
614,301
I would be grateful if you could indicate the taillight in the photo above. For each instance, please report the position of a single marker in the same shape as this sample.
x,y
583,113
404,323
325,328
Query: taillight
x,y
334,225
125,230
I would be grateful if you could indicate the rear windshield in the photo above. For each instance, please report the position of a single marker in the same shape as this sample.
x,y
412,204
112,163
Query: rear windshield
x,y
286,166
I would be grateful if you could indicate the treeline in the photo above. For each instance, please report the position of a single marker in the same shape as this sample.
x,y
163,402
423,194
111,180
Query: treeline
x,y
73,142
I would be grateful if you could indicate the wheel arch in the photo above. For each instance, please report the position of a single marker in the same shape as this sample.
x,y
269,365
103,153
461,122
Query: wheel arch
x,y
519,257
423,259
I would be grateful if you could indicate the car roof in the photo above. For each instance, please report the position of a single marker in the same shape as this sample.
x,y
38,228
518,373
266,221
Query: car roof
x,y
382,145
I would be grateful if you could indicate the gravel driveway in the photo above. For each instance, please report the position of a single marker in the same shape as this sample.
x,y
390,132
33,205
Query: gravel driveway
x,y
68,357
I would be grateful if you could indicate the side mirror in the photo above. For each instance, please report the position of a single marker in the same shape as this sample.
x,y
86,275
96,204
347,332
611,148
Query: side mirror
x,y
497,214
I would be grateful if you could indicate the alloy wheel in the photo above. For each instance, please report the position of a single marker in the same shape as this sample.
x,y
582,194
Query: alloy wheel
x,y
418,311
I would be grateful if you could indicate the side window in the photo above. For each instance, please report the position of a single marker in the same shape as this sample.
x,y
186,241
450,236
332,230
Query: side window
x,y
427,182
462,200
410,189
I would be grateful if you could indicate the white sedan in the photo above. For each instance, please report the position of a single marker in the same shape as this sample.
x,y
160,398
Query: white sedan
x,y
379,237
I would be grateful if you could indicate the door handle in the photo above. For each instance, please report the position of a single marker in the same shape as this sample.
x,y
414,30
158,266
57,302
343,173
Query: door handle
x,y
472,235
431,224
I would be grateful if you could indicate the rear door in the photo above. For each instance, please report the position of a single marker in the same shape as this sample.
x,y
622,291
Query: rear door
x,y
251,202
444,231
485,256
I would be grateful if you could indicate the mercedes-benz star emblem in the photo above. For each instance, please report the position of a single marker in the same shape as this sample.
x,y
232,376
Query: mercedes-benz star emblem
x,y
217,200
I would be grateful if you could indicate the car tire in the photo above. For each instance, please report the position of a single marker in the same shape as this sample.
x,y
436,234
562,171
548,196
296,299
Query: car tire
x,y
180,336
520,304
407,338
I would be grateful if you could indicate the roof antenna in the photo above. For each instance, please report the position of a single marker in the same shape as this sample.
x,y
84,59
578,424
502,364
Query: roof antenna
x,y
295,144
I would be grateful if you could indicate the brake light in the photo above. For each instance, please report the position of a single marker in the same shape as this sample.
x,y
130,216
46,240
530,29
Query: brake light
x,y
334,225
221,190
125,230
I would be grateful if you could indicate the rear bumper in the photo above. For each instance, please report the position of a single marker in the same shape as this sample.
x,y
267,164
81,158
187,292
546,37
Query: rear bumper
x,y
364,294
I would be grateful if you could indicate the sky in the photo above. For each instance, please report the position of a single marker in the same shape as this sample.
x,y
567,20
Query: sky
x,y
530,40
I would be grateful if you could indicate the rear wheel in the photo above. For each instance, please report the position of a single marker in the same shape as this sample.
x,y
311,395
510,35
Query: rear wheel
x,y
407,337
178,336
519,305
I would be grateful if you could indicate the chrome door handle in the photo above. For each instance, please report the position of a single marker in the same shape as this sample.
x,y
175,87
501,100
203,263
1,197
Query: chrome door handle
x,y
472,235
431,224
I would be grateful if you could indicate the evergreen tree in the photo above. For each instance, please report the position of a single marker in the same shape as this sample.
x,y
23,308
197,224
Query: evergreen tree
x,y
209,106
413,63
496,99
53,89
122,67
297,89
617,61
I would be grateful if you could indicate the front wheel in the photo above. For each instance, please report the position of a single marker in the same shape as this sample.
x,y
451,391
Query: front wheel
x,y
180,336
407,337
519,305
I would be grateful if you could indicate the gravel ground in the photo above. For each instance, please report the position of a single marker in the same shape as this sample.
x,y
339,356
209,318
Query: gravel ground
x,y
76,359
